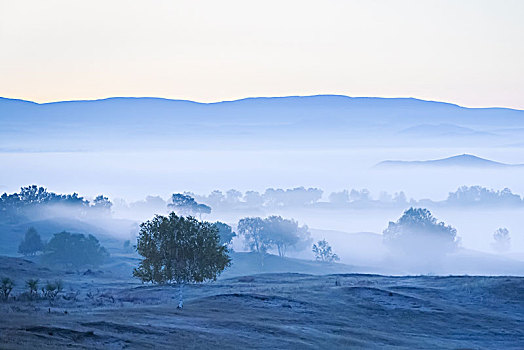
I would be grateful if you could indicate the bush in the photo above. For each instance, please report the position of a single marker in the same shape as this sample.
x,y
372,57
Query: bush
x,y
52,289
74,249
32,284
6,287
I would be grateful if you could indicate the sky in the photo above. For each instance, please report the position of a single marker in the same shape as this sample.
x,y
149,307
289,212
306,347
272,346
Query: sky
x,y
466,52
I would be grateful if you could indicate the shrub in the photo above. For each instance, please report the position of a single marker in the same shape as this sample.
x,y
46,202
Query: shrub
x,y
32,284
6,287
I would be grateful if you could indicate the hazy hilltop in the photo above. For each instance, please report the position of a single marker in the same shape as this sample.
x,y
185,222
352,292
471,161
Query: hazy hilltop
x,y
463,160
113,122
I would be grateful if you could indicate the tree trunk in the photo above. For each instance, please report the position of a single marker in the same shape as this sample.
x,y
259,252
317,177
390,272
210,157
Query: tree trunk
x,y
180,296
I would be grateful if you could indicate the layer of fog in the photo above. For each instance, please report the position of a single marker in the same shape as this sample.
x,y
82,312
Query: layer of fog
x,y
134,175
128,177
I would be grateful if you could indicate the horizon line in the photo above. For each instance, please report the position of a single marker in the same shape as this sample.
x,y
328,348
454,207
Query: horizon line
x,y
255,97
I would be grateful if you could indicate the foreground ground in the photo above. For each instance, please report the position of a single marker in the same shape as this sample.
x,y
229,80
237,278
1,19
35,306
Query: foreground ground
x,y
268,311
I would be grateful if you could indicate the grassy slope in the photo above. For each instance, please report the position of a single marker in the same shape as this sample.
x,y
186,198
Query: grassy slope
x,y
277,310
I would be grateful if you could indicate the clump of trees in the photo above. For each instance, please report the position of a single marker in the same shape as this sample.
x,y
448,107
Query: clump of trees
x,y
180,250
270,198
323,252
417,231
33,201
477,195
75,250
31,244
274,232
184,204
502,239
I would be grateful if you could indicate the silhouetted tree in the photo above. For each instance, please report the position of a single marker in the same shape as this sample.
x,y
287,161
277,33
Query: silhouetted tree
x,y
102,205
323,252
31,244
74,249
225,233
181,250
502,239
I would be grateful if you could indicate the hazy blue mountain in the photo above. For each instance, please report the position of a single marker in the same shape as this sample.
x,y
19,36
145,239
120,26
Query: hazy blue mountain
x,y
464,160
129,122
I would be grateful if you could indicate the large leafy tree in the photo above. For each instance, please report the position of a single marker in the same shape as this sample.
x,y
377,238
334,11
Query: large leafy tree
x,y
31,244
180,250
74,249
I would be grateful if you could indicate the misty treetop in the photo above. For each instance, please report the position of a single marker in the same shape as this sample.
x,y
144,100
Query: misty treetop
x,y
274,232
477,195
185,205
313,197
416,229
32,201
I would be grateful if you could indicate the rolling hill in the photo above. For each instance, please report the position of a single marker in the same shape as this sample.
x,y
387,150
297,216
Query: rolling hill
x,y
464,160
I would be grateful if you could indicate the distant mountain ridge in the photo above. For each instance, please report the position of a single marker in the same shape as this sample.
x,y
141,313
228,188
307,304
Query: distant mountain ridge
x,y
463,160
165,123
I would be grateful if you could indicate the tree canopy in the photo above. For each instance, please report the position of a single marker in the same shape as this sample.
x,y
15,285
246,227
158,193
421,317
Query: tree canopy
x,y
417,228
180,249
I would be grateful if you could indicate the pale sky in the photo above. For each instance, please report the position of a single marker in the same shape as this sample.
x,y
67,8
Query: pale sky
x,y
465,52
